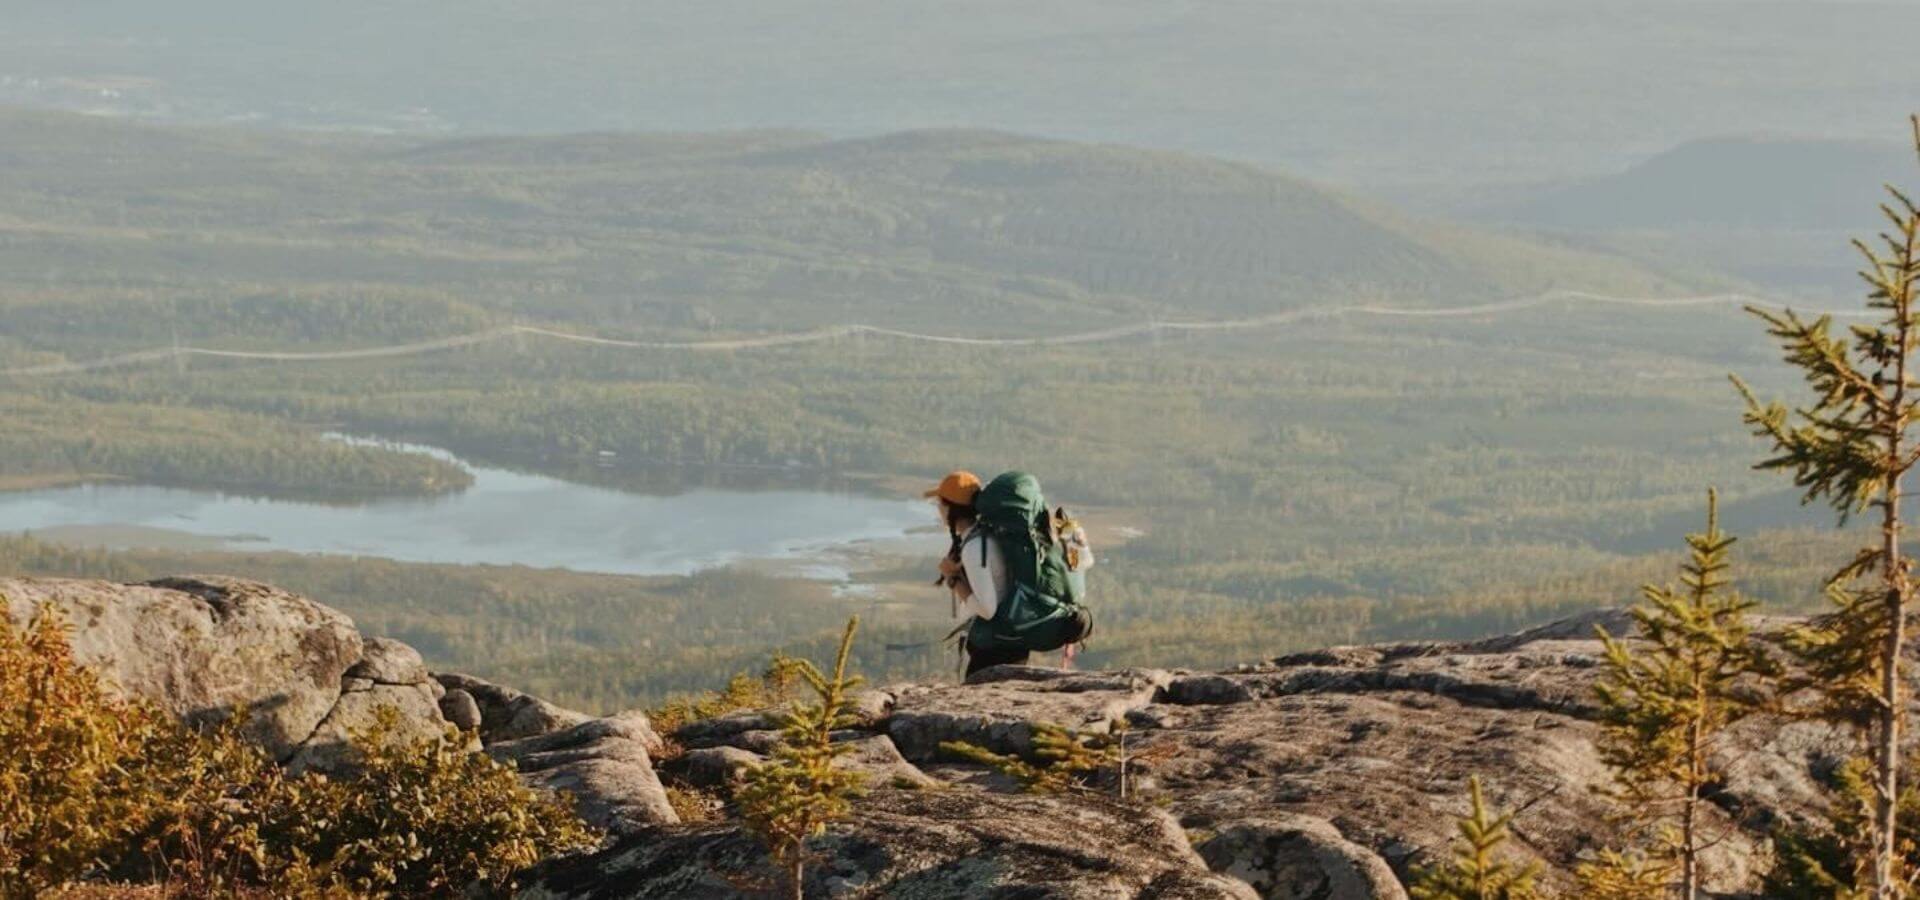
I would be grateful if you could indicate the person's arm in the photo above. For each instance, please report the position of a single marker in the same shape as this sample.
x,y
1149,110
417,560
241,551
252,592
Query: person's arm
x,y
985,597
1085,550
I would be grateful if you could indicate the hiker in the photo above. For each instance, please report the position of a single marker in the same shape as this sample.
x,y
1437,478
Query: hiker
x,y
1018,568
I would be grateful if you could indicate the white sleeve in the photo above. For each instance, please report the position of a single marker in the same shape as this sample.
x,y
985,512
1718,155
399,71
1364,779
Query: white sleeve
x,y
986,590
1086,550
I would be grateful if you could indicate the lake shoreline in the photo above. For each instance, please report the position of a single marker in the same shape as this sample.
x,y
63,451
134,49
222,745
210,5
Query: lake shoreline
x,y
502,517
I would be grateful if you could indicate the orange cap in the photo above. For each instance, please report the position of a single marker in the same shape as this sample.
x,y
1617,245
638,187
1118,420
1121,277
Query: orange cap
x,y
957,488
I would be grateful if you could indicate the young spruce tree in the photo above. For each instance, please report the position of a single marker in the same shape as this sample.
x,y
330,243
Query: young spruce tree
x,y
1061,759
1851,447
1664,705
791,799
1476,871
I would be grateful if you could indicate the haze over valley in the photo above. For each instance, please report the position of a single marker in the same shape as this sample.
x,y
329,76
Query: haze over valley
x,y
1248,415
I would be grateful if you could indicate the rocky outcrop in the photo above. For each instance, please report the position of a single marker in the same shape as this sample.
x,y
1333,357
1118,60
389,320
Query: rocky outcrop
x,y
1299,857
949,844
998,708
1318,771
204,647
1341,772
507,714
605,765
391,681
1330,774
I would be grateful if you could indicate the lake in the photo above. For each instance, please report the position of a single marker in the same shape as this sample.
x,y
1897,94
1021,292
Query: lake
x,y
505,518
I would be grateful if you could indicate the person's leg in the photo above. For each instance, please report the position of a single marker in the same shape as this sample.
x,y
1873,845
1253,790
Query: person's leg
x,y
985,657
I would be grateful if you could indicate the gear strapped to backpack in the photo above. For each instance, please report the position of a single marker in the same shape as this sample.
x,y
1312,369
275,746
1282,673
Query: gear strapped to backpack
x,y
1042,611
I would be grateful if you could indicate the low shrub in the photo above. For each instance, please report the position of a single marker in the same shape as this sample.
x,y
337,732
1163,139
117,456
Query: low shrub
x,y
93,787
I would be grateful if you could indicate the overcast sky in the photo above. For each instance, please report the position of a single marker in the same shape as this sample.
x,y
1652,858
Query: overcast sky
x,y
1367,92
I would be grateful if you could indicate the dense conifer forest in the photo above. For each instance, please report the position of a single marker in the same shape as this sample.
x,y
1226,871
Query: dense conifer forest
x,y
1331,478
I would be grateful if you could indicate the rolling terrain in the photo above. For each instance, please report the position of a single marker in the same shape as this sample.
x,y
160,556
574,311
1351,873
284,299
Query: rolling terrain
x,y
1325,478
310,240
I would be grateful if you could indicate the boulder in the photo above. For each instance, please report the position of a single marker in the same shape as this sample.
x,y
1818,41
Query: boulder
x,y
1295,857
460,710
717,767
205,646
387,661
507,714
1308,770
877,757
907,844
604,765
416,717
872,706
726,729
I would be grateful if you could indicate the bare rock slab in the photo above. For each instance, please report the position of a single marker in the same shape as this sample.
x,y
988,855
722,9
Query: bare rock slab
x,y
603,765
998,710
909,844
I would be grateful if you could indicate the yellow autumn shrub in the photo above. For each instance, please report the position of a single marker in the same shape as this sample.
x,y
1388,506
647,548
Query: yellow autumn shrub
x,y
93,787
76,775
421,818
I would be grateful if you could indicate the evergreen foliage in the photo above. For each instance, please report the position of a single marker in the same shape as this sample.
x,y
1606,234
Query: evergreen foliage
x,y
1378,479
50,441
1624,876
772,687
1061,761
794,797
1851,447
1826,861
1664,706
1476,871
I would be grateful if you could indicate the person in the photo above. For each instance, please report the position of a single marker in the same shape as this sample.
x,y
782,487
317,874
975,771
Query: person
x,y
974,569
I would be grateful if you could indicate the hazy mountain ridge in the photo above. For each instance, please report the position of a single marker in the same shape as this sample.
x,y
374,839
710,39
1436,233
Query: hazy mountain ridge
x,y
1772,182
1778,211
968,230
1364,91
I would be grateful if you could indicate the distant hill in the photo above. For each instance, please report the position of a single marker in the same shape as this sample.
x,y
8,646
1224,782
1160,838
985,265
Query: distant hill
x,y
1777,212
966,230
1749,182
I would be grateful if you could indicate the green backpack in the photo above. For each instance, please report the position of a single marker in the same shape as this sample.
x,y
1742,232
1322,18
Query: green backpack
x,y
1043,611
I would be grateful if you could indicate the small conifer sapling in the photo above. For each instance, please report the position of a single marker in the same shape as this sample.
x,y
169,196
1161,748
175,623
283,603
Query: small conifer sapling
x,y
1060,759
1851,447
1477,871
794,797
1666,702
